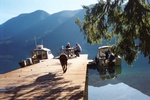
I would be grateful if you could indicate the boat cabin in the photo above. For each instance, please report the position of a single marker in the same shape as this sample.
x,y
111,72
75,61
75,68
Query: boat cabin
x,y
37,55
41,53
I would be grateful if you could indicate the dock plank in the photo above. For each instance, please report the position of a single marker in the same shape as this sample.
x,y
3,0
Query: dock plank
x,y
46,81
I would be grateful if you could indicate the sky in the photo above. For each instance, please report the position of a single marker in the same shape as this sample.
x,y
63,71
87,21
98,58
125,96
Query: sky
x,y
13,8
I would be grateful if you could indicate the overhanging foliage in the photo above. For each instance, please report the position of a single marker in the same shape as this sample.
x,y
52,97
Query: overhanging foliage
x,y
129,24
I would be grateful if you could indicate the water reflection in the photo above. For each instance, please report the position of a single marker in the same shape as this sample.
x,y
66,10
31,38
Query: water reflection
x,y
109,72
121,86
118,91
137,77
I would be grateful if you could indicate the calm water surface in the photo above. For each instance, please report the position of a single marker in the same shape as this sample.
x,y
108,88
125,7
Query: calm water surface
x,y
125,82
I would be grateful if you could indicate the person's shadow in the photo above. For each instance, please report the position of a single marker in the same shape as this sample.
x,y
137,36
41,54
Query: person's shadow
x,y
46,77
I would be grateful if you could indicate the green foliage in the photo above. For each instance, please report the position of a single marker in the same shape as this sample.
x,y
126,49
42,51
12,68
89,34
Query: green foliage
x,y
129,25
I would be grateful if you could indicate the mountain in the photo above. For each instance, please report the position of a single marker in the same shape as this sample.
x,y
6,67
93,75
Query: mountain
x,y
22,22
17,35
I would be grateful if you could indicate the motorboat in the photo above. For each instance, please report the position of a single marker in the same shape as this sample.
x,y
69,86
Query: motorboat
x,y
39,54
103,56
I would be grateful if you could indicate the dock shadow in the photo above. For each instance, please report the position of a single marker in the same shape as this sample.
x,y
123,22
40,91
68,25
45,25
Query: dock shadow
x,y
49,86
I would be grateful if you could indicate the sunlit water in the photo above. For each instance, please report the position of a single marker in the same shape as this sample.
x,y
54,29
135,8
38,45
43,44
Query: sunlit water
x,y
125,83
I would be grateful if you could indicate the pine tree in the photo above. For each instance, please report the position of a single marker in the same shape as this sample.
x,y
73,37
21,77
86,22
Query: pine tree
x,y
128,23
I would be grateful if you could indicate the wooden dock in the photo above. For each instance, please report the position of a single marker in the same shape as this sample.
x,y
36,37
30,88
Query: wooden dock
x,y
46,81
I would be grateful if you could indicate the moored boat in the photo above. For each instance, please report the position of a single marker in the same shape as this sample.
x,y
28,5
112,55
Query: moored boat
x,y
106,57
39,54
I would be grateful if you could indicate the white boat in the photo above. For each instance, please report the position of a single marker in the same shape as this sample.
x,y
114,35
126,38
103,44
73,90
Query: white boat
x,y
37,55
103,59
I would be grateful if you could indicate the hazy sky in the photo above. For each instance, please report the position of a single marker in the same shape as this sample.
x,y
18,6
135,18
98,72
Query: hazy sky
x,y
12,8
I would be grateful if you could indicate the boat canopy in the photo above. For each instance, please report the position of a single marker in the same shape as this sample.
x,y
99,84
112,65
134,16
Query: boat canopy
x,y
104,47
40,48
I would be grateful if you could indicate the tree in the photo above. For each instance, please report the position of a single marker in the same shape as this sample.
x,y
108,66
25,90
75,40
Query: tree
x,y
128,23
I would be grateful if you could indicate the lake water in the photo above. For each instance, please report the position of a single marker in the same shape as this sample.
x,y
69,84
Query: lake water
x,y
125,83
